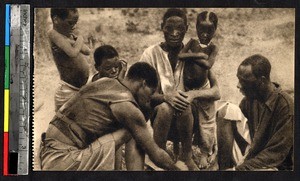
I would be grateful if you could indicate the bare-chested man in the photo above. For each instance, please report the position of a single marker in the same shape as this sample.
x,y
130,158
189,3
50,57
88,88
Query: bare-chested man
x,y
69,53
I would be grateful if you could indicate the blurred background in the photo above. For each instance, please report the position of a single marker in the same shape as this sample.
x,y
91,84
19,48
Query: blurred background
x,y
241,32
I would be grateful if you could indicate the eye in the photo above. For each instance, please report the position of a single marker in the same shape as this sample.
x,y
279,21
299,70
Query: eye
x,y
181,28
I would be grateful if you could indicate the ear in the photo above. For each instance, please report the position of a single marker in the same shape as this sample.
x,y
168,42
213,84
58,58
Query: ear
x,y
144,84
264,80
55,19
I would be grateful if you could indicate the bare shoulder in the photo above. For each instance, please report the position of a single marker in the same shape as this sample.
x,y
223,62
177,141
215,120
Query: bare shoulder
x,y
55,36
124,110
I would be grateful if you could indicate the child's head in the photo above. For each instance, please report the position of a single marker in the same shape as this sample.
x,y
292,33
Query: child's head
x,y
107,61
64,20
206,26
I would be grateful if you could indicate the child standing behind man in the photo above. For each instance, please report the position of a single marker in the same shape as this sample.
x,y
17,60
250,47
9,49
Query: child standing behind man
x,y
69,52
199,56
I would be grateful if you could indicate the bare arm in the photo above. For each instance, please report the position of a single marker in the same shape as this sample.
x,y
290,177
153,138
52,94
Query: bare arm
x,y
213,93
123,69
135,122
63,43
201,59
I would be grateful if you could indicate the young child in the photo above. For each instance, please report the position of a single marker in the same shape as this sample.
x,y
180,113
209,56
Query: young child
x,y
199,56
108,64
69,52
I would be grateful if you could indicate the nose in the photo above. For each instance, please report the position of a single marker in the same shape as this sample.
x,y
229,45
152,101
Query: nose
x,y
204,35
175,33
239,86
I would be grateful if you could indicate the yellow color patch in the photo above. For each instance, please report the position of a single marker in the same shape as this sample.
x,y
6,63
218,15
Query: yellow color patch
x,y
6,110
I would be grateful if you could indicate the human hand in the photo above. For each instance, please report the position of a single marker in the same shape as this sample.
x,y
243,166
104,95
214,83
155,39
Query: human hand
x,y
184,56
177,99
190,96
123,65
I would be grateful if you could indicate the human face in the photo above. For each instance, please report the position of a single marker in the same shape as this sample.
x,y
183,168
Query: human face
x,y
143,96
248,83
67,26
174,30
205,32
110,67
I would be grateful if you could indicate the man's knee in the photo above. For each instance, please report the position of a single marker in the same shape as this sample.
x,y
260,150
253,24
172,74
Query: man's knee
x,y
165,109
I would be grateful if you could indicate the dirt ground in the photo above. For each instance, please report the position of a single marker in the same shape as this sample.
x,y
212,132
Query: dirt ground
x,y
241,33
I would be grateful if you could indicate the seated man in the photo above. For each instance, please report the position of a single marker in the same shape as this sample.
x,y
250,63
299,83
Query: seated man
x,y
101,117
270,114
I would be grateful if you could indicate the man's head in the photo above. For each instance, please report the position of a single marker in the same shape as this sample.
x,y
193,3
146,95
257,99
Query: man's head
x,y
206,26
64,20
145,79
254,76
107,61
174,26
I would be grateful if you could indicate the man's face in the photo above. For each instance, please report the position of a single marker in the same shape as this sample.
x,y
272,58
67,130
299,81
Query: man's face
x,y
174,30
66,26
110,67
143,97
248,83
205,32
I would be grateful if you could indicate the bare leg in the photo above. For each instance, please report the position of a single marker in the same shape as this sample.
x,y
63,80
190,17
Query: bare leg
x,y
121,136
118,161
134,156
162,123
185,129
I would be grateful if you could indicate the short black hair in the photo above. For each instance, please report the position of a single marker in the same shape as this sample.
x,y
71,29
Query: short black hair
x,y
213,18
142,70
260,65
175,12
62,13
104,52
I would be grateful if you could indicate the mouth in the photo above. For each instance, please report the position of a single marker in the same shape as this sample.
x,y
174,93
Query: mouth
x,y
174,40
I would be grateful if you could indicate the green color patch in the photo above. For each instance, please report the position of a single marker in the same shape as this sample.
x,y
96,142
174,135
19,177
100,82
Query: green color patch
x,y
6,71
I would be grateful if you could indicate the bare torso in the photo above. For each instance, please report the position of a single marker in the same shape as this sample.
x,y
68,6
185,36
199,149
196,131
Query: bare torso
x,y
73,70
195,76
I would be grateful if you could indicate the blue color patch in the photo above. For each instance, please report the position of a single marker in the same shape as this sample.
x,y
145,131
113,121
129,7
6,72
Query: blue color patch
x,y
7,24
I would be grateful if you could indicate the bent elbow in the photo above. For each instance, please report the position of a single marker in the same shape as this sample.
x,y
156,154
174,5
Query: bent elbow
x,y
217,95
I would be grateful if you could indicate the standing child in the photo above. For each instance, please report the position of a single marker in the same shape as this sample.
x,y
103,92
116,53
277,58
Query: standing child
x,y
69,53
199,56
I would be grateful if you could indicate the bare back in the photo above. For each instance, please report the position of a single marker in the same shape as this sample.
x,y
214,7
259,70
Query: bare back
x,y
73,70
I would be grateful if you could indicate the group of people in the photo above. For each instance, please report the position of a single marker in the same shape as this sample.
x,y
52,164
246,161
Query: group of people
x,y
172,86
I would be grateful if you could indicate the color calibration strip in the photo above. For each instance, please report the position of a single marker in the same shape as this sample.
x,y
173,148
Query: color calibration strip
x,y
6,92
17,90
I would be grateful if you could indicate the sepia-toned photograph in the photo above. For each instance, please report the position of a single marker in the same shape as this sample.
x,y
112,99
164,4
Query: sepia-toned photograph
x,y
163,89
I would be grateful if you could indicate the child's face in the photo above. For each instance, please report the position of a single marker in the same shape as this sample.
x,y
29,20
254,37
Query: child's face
x,y
205,32
110,67
66,26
